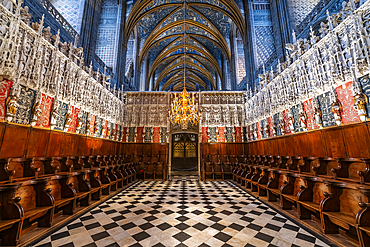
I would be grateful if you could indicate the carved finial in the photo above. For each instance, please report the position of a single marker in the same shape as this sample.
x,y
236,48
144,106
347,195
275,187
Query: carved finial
x,y
57,39
294,37
41,26
313,36
76,40
330,22
90,69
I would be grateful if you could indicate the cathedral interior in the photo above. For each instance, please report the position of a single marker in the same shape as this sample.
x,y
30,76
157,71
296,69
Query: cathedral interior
x,y
185,123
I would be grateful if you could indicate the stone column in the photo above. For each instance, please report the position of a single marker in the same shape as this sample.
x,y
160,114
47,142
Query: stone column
x,y
89,27
217,80
137,67
248,47
281,26
145,81
234,55
152,81
120,64
224,75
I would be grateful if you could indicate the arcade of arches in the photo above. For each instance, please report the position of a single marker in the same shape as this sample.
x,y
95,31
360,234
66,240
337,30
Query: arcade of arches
x,y
269,147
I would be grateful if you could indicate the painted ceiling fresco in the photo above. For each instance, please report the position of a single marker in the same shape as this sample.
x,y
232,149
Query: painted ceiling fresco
x,y
206,26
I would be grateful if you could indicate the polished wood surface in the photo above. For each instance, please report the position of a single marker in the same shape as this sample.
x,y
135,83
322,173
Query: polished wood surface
x,y
322,175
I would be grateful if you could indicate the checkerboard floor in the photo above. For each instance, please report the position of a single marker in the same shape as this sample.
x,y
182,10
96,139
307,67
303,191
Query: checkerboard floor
x,y
182,212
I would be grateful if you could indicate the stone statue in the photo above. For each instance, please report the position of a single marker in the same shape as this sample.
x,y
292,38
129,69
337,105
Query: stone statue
x,y
360,100
36,110
25,16
317,112
336,108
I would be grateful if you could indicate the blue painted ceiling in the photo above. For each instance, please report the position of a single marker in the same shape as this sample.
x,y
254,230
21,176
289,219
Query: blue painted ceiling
x,y
161,28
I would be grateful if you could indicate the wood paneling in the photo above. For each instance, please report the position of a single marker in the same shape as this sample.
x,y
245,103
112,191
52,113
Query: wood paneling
x,y
357,140
69,146
55,143
37,143
315,140
81,145
239,149
302,145
335,143
290,145
14,141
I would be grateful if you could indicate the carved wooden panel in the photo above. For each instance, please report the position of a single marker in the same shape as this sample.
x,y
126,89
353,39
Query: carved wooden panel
x,y
89,146
335,143
55,143
302,144
69,145
223,148
14,136
55,189
316,143
27,195
290,145
349,201
357,140
81,145
318,192
37,143
239,149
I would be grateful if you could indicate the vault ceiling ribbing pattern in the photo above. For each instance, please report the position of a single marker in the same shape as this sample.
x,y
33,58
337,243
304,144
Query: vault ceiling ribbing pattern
x,y
162,24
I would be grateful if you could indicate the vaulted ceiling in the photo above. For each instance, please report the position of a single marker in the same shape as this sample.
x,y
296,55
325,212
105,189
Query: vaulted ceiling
x,y
184,33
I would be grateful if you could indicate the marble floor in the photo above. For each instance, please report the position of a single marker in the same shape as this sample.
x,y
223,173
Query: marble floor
x,y
182,212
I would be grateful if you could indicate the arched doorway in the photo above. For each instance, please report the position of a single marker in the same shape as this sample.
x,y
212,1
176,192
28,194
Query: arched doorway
x,y
184,152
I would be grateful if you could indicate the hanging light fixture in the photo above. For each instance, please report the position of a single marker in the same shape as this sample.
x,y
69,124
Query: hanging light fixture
x,y
183,108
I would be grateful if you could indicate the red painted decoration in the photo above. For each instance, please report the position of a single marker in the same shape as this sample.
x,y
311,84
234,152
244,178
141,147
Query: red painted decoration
x,y
156,134
345,97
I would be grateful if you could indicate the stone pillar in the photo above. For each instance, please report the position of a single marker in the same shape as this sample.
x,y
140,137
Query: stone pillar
x,y
234,55
89,27
137,67
217,80
145,81
248,47
152,81
281,26
224,75
120,64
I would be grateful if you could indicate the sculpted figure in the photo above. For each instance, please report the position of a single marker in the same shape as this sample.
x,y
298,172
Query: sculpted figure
x,y
360,100
11,107
47,34
274,128
336,109
266,129
36,112
317,112
290,121
282,124
79,124
54,114
302,117
68,120
25,16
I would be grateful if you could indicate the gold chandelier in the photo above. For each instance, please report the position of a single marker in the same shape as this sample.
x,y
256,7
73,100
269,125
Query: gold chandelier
x,y
183,108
